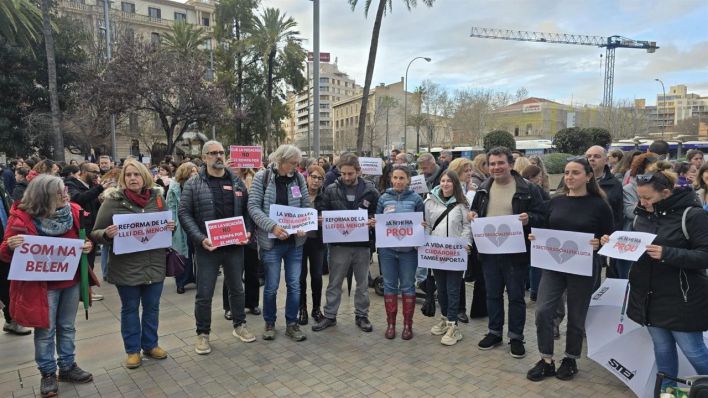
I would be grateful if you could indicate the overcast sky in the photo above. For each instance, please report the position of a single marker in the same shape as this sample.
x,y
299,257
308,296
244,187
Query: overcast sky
x,y
555,71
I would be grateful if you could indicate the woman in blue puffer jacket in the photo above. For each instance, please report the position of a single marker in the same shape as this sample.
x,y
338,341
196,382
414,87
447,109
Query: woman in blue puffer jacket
x,y
398,264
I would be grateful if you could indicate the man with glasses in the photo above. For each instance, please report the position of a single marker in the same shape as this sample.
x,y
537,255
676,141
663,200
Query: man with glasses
x,y
85,191
213,194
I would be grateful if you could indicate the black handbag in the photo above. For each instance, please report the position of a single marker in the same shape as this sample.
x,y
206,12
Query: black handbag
x,y
175,263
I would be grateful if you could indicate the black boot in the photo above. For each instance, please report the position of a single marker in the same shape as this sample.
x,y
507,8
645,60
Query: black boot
x,y
302,318
48,386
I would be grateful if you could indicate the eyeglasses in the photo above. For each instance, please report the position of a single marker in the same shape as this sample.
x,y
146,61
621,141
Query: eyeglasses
x,y
645,178
216,153
317,178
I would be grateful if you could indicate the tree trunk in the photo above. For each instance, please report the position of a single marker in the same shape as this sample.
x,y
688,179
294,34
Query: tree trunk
x,y
240,139
369,75
58,139
269,109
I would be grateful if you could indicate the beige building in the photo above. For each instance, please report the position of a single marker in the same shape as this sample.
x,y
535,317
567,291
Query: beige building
x,y
150,19
334,86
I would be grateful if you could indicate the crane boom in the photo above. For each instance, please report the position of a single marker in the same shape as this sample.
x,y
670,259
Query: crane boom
x,y
609,43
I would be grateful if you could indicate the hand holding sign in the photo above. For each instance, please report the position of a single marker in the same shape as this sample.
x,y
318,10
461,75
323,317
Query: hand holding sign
x,y
628,245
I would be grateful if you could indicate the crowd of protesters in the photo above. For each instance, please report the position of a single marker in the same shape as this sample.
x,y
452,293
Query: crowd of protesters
x,y
599,193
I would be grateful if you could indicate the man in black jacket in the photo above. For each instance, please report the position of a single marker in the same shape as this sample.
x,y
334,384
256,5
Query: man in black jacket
x,y
597,157
506,193
349,192
213,194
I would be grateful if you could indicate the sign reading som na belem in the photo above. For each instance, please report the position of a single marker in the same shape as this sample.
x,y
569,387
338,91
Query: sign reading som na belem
x,y
345,226
399,230
562,251
444,253
43,258
142,231
293,219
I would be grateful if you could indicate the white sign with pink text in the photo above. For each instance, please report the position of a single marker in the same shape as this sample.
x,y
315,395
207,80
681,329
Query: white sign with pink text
x,y
499,235
43,258
562,251
400,230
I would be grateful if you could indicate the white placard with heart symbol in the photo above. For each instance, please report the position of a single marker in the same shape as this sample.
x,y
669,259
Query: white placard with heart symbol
x,y
142,231
562,251
42,258
499,235
345,226
626,245
400,230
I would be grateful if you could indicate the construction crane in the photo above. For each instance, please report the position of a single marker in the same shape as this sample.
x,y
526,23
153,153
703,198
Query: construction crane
x,y
610,44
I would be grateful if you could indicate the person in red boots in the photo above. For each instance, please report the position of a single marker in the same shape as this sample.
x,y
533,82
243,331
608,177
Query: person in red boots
x,y
398,264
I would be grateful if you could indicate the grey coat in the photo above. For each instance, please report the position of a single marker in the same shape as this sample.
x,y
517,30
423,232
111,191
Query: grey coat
x,y
260,199
196,205
129,269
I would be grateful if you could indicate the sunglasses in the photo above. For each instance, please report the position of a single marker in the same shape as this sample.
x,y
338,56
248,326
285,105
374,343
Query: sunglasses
x,y
216,153
660,178
645,178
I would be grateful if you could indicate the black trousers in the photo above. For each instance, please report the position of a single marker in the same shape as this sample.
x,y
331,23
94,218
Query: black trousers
x,y
5,290
252,286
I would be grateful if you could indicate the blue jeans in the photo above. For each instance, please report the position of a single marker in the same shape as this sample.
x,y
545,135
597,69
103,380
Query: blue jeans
x,y
623,267
139,333
398,270
63,304
500,274
448,283
691,344
291,256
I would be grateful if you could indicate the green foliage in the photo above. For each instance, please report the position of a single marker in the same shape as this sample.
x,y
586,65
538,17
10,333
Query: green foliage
x,y
573,140
555,162
600,136
20,22
499,138
184,38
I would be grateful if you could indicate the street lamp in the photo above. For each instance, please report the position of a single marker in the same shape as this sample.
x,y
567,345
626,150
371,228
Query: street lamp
x,y
405,104
663,122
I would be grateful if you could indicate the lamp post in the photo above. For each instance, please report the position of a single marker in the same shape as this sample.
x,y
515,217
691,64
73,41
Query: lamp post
x,y
405,103
663,122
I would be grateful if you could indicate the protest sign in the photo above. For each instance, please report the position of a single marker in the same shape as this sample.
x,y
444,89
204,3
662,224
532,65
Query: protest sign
x,y
418,184
371,166
147,161
626,245
246,157
440,252
562,251
43,258
293,219
142,231
227,231
499,235
345,226
399,230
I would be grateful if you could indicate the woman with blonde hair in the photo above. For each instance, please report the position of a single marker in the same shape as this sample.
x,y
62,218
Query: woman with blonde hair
x,y
521,163
138,276
480,171
537,161
180,242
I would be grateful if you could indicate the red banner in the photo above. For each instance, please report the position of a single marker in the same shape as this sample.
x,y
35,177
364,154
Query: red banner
x,y
245,156
227,231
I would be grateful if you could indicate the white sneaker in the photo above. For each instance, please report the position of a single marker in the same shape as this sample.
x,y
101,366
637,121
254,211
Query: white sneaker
x,y
440,328
202,347
96,297
242,333
15,328
452,336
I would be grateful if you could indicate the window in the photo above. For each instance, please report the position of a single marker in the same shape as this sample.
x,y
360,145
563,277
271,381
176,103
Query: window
x,y
135,148
154,12
133,122
324,80
127,7
155,38
180,17
205,19
516,131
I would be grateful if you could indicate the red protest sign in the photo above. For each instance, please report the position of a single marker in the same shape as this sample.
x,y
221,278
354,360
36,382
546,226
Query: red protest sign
x,y
227,231
245,156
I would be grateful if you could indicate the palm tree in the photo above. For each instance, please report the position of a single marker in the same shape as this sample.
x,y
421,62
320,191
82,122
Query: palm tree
x,y
52,81
184,38
272,30
380,11
20,22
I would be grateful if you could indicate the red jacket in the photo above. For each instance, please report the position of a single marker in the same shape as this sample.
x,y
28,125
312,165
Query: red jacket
x,y
29,305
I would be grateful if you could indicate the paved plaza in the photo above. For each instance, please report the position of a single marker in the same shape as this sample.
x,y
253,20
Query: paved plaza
x,y
338,362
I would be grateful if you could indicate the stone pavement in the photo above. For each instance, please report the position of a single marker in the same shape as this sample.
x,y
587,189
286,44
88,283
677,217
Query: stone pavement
x,y
341,361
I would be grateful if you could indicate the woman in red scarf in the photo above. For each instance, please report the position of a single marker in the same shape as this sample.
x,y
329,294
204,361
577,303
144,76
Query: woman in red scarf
x,y
138,276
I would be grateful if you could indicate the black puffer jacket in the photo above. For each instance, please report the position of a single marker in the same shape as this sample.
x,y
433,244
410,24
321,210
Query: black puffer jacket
x,y
86,197
335,198
197,205
672,293
615,196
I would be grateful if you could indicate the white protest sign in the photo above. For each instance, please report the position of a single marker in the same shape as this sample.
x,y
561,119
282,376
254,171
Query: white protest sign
x,y
627,245
142,231
399,230
371,166
345,226
499,235
146,160
42,258
418,184
562,251
293,219
440,252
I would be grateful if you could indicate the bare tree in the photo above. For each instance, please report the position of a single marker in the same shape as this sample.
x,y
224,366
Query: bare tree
x,y
624,120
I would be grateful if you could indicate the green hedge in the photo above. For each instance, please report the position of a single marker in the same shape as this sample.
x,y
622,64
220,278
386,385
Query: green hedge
x,y
555,162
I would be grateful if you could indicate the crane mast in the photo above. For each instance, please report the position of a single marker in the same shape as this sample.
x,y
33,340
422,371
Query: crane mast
x,y
609,43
